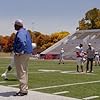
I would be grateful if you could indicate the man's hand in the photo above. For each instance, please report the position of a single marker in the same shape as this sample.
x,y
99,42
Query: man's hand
x,y
18,54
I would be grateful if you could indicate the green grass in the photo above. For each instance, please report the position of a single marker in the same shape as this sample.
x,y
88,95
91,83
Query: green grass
x,y
37,79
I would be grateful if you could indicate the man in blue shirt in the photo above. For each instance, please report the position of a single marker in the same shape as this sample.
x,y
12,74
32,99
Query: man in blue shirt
x,y
22,49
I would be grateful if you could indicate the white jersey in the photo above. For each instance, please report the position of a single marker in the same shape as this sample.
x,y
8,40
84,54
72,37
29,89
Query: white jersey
x,y
79,51
62,52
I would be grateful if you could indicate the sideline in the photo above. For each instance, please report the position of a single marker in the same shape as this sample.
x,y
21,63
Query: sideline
x,y
6,93
65,85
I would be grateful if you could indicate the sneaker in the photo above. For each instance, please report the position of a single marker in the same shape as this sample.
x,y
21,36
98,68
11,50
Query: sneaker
x,y
4,76
20,94
87,71
91,71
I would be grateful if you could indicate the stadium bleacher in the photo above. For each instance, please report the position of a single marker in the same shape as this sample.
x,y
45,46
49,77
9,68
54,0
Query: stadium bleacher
x,y
69,43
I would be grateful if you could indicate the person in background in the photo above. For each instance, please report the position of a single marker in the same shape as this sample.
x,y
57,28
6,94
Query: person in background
x,y
22,51
9,68
11,65
79,55
61,59
90,57
97,58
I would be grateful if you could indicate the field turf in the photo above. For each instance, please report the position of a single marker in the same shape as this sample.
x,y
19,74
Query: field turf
x,y
48,73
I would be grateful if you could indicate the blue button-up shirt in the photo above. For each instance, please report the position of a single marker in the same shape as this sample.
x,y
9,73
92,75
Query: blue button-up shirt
x,y
22,42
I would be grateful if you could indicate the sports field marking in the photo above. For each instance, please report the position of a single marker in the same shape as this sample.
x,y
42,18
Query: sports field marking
x,y
67,72
28,72
34,72
91,97
74,72
65,85
62,92
14,85
63,72
3,82
45,70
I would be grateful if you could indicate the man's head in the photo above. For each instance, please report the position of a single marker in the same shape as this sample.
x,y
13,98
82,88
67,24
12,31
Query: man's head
x,y
89,45
18,24
81,45
61,48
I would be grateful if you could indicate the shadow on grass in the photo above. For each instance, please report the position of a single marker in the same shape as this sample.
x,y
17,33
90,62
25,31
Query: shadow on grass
x,y
11,80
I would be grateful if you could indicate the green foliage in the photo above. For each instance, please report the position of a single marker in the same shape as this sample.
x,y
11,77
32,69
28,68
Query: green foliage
x,y
43,41
55,37
91,20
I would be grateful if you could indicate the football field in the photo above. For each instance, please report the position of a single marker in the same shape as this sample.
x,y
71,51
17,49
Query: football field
x,y
48,76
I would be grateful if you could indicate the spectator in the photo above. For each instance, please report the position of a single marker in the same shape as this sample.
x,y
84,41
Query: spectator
x,y
9,67
61,59
90,57
97,59
79,55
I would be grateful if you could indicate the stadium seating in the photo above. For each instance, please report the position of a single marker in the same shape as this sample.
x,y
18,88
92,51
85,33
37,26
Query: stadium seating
x,y
70,42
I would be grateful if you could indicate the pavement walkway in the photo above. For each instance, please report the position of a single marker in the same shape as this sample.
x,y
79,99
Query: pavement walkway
x,y
6,93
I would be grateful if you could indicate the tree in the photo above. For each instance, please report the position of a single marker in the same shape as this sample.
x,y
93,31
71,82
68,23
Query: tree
x,y
91,20
55,37
10,42
5,43
43,41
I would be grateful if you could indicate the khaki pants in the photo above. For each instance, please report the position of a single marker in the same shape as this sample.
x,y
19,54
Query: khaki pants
x,y
21,63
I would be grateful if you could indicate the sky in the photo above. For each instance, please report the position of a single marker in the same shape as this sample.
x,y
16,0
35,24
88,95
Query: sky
x,y
45,16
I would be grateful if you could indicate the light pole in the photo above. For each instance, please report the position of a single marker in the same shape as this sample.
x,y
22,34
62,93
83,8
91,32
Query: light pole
x,y
33,26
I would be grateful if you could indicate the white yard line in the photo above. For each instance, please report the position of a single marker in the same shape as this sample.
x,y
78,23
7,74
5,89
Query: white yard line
x,y
65,85
14,85
28,73
91,97
3,82
62,92
83,73
35,72
74,72
65,72
46,70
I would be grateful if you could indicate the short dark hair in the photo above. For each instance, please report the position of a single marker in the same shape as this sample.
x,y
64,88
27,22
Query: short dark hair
x,y
81,45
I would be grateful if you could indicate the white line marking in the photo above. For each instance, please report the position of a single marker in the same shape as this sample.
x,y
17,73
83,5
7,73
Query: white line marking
x,y
89,98
34,72
14,85
28,73
62,92
74,72
45,70
65,85
3,82
67,72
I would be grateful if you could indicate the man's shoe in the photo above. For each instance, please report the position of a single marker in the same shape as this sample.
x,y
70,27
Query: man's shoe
x,y
20,94
87,71
4,76
91,71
